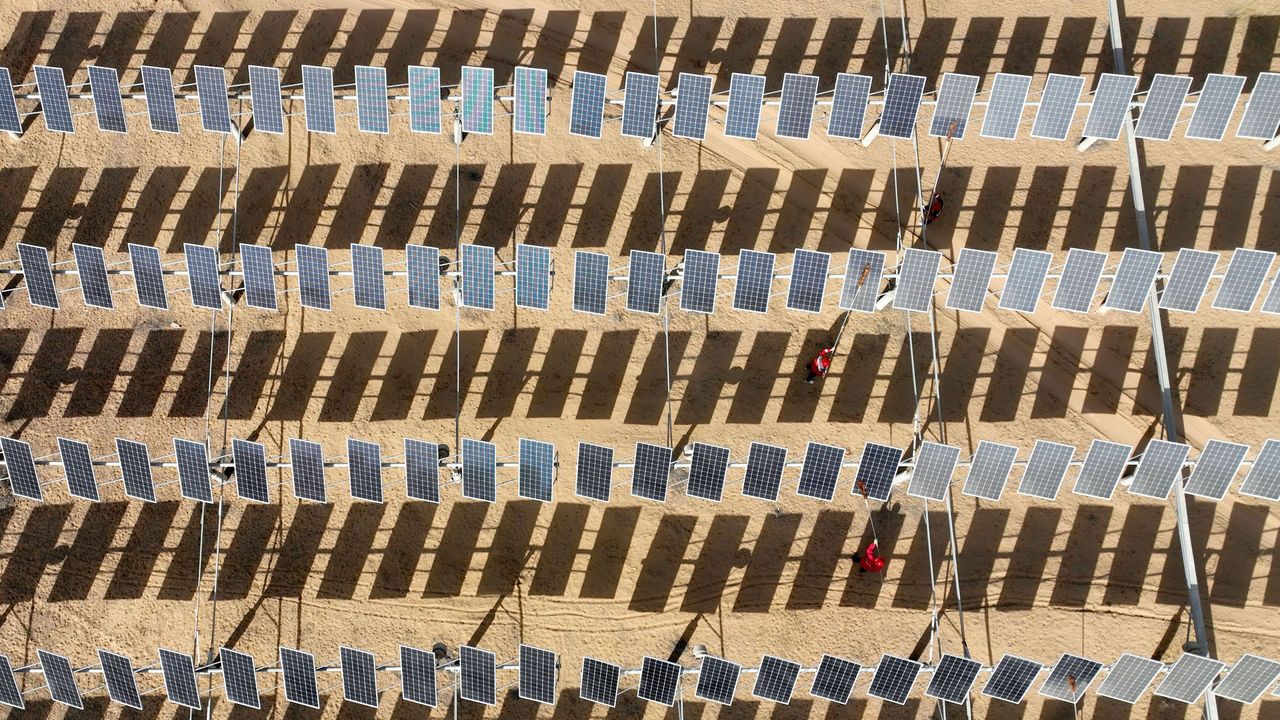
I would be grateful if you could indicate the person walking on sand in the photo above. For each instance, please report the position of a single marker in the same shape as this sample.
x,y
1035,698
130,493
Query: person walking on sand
x,y
819,366
869,560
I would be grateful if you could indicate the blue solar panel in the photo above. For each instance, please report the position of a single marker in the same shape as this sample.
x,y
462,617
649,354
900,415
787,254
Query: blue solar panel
x,y
38,276
795,112
808,280
849,106
901,106
264,91
698,283
531,101
162,107
317,99
1109,110
477,100
424,99
1162,107
955,101
692,101
754,281
746,97
477,277
104,83
590,282
368,277
640,106
9,119
92,268
202,272
313,277
586,111
1005,106
51,83
1261,117
215,106
259,276
193,470
1057,107
1214,106
424,276
371,99
533,276
645,280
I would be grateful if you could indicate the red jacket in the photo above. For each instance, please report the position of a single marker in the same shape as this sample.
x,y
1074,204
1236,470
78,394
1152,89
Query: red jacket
x,y
821,364
871,560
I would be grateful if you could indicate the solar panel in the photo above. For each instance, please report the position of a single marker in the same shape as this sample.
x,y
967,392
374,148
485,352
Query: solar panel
x,y
746,97
1188,280
359,676
586,110
1189,677
862,279
901,105
932,474
754,281
1133,280
1103,465
417,676
424,99
1271,305
848,106
953,678
1025,282
162,107
299,669
707,470
1248,679
820,471
477,676
1263,479
955,102
259,276
479,470
652,471
239,678
915,279
422,470
595,471
477,277
763,477
250,460
264,91
599,682
60,679
659,681
135,467
193,470
893,679
640,106
368,277
1109,110
1079,281
776,679
1011,679
1129,678
317,99
834,679
306,458
202,272
313,277
876,470
590,282
971,281
1261,116
698,282
1215,469
38,275
365,465
78,463
1162,107
1057,107
692,100
1045,469
717,680
9,120
477,100
533,276
117,672
795,111
1004,107
104,83
371,99
644,281
51,83
148,276
215,106
1070,678
179,679
424,276
530,101
538,671
1159,469
1243,280
1214,106
989,470
22,468
537,469
9,693
808,280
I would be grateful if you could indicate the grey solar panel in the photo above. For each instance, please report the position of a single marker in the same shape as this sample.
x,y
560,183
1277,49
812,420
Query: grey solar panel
x,y
23,479
971,281
599,682
717,680
652,471
808,280
1133,280
239,678
1011,678
92,268
765,464
259,276
989,470
202,272
1214,106
60,679
795,111
746,97
371,100
162,107
640,106
848,106
645,277
1261,117
1057,107
1103,465
368,277
1025,283
953,678
477,277
250,459
533,276
9,120
108,107
135,468
538,672
590,282
659,681
1129,678
424,99
417,676
1188,280
477,100
148,276
477,675
537,469
117,672
916,276
1109,110
1160,467
424,276
586,109
264,92
479,470
193,470
1248,679
693,97
1263,479
317,99
1070,678
215,106
1004,107
862,280
530,101
594,477
364,461
1215,469
1045,469
299,670
78,463
306,459
699,280
707,469
1079,282
1243,280
313,277
901,106
1189,677
820,471
834,679
1271,305
754,281
9,693
359,676
876,471
932,473
893,679
1163,105
55,106
422,470
179,679
776,680
955,102
38,276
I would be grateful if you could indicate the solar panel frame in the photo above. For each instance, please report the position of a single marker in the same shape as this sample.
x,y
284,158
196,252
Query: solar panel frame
x,y
37,276
1011,678
9,693
693,98
259,276
849,106
901,105
916,277
368,277
659,681
1188,280
477,276
215,104
60,679
594,473
372,115
699,281
359,676
820,471
1110,108
117,673
640,105
265,94
953,679
179,674
586,109
424,99
1246,272
1189,677
893,679
877,468
318,100
418,676
533,276
652,473
1005,106
1214,107
239,678
1067,669
1103,465
808,282
162,106
590,282
776,680
55,105
834,679
18,460
1160,468
717,680
1129,678
537,469
299,673
108,105
1058,103
135,470
1215,469
954,105
1134,280
9,122
1046,469
77,461
1263,480
1261,119
91,266
645,274
423,276
538,674
422,470
1079,282
313,277
862,298
707,470
202,272
1162,106
795,109
250,459
1025,282
477,100
746,98
934,465
193,470
477,675
364,466
148,276
971,281
479,470
598,682
306,462
763,477
754,281
1248,679
530,112
989,470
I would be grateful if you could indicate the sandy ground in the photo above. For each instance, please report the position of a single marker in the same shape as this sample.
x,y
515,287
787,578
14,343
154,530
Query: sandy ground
x,y
631,578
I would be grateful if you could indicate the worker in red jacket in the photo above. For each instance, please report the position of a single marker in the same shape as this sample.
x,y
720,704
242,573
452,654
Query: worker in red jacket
x,y
870,560
819,366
